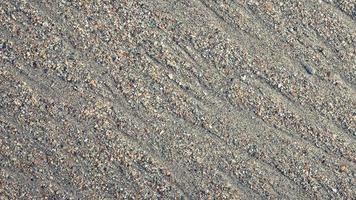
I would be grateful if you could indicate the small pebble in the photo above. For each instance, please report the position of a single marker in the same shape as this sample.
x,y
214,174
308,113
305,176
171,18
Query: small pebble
x,y
309,69
343,168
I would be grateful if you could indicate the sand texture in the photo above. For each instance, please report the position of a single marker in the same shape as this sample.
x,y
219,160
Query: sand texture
x,y
177,99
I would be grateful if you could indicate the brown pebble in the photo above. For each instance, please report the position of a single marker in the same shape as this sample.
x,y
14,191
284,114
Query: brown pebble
x,y
328,74
343,168
125,54
93,83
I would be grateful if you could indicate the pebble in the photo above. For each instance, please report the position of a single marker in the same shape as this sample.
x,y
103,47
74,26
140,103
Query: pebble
x,y
309,69
343,168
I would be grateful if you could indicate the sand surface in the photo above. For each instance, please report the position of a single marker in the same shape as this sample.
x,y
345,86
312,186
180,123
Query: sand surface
x,y
177,99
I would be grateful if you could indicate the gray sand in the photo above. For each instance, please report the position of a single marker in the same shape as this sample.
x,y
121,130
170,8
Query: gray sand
x,y
184,99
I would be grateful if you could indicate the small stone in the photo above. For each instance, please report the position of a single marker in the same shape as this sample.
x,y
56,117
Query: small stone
x,y
168,173
170,76
309,69
343,168
93,83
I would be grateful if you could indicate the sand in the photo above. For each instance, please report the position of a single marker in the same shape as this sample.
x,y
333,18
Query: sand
x,y
184,99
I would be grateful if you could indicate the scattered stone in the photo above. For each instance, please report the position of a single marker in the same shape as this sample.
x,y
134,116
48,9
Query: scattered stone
x,y
343,168
309,69
93,83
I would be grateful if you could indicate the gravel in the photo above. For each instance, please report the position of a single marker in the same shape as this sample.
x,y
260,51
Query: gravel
x,y
200,99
